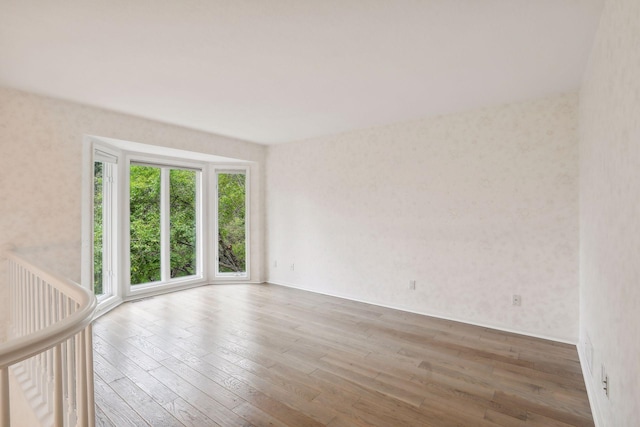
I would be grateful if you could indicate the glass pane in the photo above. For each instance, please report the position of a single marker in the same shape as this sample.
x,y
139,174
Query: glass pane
x,y
97,227
144,193
182,213
231,223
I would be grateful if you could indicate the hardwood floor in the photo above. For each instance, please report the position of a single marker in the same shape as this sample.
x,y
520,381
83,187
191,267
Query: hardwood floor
x,y
265,355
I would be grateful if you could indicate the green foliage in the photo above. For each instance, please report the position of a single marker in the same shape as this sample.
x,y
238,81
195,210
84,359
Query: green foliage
x,y
182,212
144,193
97,228
145,223
231,222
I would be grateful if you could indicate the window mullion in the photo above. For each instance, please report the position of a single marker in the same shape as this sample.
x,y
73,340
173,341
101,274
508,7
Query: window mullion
x,y
107,227
199,227
165,256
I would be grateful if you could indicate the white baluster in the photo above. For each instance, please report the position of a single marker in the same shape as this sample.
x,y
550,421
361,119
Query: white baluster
x,y
5,407
91,405
58,397
62,376
81,380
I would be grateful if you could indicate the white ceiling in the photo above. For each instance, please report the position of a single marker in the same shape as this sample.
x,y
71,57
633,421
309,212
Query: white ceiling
x,y
282,70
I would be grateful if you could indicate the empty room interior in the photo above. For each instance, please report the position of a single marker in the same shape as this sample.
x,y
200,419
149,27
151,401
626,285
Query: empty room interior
x,y
320,213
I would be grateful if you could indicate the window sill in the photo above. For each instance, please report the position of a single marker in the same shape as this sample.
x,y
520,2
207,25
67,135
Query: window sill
x,y
161,287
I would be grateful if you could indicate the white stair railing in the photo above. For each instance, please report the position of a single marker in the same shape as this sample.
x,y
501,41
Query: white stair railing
x,y
50,346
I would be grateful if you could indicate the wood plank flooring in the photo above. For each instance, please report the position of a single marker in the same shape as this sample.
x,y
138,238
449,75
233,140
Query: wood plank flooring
x,y
265,355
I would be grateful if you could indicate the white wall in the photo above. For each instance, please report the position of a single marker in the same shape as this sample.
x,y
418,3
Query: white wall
x,y
475,207
610,213
41,167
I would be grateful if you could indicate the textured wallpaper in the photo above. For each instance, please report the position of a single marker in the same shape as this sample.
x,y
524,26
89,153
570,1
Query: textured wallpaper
x,y
41,169
474,207
610,212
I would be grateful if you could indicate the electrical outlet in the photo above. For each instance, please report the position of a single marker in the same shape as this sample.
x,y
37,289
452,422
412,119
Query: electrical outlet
x,y
516,300
293,267
275,264
412,285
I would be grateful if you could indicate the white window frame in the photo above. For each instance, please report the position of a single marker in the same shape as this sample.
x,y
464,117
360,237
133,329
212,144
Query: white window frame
x,y
109,162
110,224
220,277
125,152
94,150
165,282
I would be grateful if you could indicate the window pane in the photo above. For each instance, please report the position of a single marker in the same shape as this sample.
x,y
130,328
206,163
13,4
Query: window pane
x,y
182,213
97,227
231,223
144,193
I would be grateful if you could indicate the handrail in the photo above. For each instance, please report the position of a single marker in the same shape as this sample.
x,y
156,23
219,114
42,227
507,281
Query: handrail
x,y
51,344
18,349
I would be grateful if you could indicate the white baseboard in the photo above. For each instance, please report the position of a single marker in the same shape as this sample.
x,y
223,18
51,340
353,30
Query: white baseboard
x,y
592,389
426,313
